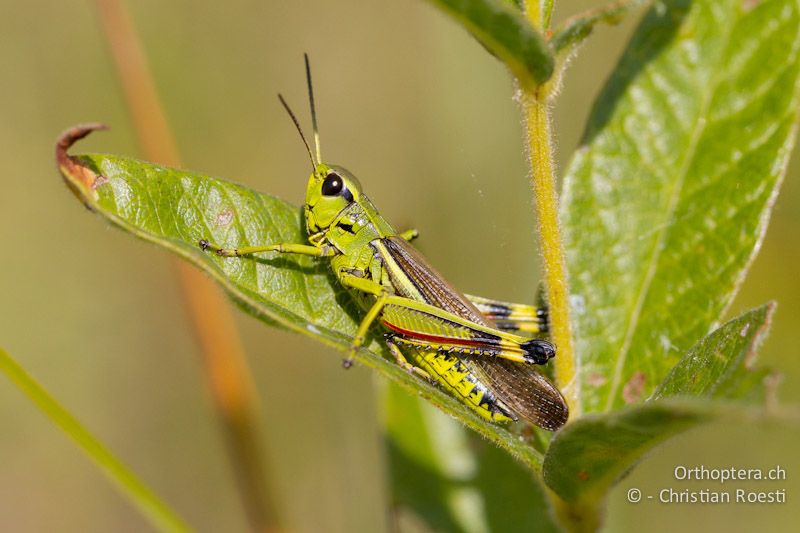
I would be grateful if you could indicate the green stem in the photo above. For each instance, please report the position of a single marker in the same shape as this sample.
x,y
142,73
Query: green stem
x,y
157,512
539,12
536,108
537,121
534,12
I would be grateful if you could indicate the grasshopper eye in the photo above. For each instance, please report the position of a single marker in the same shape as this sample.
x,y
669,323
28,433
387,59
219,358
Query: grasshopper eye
x,y
332,185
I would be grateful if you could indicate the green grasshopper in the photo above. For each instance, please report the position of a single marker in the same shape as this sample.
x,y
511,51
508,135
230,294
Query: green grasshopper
x,y
464,343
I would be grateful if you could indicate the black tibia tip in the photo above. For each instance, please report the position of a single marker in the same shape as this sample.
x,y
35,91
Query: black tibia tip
x,y
204,244
347,363
538,352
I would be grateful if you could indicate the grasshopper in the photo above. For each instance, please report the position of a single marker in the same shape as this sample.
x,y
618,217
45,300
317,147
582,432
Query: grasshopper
x,y
466,344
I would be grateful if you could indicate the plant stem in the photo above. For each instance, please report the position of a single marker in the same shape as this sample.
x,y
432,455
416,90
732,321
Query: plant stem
x,y
157,512
538,13
536,108
228,375
537,120
533,9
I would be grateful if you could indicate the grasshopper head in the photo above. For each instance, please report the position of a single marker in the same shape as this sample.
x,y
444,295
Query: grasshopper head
x,y
330,190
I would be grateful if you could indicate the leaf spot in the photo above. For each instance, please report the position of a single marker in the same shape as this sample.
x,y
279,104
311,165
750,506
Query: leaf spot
x,y
745,329
225,218
98,181
596,380
748,5
583,475
634,388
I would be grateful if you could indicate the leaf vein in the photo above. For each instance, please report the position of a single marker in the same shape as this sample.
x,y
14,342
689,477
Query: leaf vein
x,y
658,246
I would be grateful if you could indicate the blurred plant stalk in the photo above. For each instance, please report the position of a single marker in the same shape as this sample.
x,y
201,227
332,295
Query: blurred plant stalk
x,y
227,372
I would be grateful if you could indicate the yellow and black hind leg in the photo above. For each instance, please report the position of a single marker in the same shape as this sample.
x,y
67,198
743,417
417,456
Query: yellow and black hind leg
x,y
452,374
508,316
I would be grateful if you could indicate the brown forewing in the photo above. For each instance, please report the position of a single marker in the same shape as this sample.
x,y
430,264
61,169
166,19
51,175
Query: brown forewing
x,y
521,387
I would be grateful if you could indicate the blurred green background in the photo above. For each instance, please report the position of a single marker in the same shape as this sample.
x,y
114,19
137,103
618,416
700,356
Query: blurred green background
x,y
425,117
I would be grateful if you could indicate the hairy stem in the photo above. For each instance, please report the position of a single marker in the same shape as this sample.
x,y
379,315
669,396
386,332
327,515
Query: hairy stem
x,y
536,109
537,121
227,372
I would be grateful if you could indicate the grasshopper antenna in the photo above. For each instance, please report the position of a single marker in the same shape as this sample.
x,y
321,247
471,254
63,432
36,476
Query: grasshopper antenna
x,y
313,109
299,130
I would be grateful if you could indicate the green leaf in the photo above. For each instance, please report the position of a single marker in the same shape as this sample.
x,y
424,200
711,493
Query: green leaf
x,y
667,200
575,30
452,480
590,455
175,209
720,365
757,386
160,516
547,12
506,33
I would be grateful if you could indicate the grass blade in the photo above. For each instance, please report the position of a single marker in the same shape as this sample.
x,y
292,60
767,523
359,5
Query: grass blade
x,y
131,487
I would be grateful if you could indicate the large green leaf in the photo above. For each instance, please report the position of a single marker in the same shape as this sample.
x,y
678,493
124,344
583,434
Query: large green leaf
x,y
722,364
503,29
589,455
454,481
668,197
175,209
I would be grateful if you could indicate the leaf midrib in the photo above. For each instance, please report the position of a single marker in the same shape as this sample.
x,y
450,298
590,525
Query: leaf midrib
x,y
691,152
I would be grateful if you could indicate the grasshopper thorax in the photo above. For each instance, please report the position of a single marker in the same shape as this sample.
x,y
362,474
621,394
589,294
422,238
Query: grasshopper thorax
x,y
331,189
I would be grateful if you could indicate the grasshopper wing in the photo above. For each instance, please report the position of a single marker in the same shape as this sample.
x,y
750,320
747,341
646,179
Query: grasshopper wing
x,y
527,392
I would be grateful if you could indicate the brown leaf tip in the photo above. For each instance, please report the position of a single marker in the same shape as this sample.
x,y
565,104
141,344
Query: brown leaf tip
x,y
70,137
75,174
